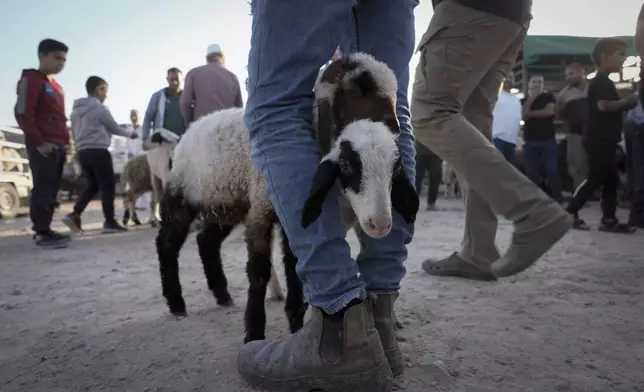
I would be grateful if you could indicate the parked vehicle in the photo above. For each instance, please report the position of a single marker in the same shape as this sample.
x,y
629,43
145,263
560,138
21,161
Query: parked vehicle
x,y
15,176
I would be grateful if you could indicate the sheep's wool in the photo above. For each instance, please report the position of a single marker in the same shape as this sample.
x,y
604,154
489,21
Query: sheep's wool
x,y
212,164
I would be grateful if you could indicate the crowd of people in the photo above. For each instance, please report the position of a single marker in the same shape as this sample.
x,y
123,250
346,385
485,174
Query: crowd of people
x,y
538,111
466,51
40,113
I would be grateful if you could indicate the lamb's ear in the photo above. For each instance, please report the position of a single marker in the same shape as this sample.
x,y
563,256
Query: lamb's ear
x,y
404,199
323,181
156,138
325,90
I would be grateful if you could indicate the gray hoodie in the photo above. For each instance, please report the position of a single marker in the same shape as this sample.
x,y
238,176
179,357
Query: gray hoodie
x,y
93,125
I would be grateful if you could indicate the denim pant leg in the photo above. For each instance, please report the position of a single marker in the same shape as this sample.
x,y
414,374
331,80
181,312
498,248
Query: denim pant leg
x,y
290,41
385,29
531,161
637,172
551,158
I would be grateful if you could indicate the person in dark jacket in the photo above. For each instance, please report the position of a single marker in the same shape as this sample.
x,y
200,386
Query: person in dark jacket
x,y
40,113
602,135
430,163
93,127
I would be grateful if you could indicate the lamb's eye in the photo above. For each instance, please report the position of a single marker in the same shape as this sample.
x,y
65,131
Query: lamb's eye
x,y
345,167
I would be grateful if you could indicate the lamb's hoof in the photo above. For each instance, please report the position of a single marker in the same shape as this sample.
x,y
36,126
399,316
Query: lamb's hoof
x,y
180,315
124,222
228,302
153,224
137,223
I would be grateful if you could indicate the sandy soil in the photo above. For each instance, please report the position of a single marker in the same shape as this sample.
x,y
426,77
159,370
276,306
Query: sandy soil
x,y
91,317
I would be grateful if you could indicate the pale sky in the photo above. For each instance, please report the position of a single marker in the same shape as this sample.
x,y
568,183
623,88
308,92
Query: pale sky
x,y
132,43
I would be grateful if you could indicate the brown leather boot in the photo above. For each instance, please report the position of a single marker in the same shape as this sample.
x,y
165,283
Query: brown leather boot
x,y
384,318
338,353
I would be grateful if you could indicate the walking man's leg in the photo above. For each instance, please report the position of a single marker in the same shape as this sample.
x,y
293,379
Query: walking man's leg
x,y
435,178
421,169
587,188
381,260
463,48
46,183
339,348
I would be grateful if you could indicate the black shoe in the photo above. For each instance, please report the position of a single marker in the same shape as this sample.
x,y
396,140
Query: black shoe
x,y
51,239
636,221
612,225
73,221
113,227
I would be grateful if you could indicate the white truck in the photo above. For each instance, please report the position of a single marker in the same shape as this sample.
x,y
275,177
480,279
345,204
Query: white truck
x,y
15,176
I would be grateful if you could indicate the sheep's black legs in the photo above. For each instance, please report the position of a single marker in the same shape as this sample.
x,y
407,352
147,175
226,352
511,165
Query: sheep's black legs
x,y
126,216
259,239
209,242
295,308
176,217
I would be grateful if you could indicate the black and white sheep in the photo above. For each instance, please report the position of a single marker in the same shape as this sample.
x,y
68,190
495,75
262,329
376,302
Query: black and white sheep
x,y
213,174
357,130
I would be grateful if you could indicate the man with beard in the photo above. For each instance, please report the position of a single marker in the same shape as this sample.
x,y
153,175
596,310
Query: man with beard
x,y
164,110
571,107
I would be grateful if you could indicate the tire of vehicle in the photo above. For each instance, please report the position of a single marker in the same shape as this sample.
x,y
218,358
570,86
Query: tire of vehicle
x,y
9,201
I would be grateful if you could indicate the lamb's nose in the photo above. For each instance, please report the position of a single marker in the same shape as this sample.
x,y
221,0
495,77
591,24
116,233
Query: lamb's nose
x,y
379,223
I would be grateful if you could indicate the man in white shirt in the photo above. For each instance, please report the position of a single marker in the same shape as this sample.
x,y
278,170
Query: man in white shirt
x,y
506,123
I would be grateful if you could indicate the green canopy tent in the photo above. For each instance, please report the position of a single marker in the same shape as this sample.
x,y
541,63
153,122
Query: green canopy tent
x,y
548,55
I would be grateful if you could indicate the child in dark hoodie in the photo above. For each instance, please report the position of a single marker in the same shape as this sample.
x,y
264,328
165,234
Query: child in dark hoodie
x,y
40,112
92,129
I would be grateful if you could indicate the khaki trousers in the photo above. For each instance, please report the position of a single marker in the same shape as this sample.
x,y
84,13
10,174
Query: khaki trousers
x,y
577,159
465,54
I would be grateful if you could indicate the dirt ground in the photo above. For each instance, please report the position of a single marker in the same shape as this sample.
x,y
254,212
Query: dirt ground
x,y
92,318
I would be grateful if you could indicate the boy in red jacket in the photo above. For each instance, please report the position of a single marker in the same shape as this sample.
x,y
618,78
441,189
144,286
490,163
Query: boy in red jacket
x,y
40,112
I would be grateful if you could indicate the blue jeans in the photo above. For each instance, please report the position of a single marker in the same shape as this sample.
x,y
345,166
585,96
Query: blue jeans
x,y
506,148
538,154
290,41
634,140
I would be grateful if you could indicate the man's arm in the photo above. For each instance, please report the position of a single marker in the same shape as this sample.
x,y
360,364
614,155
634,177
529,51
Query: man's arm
x,y
150,114
187,98
526,104
547,111
25,110
602,93
112,126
